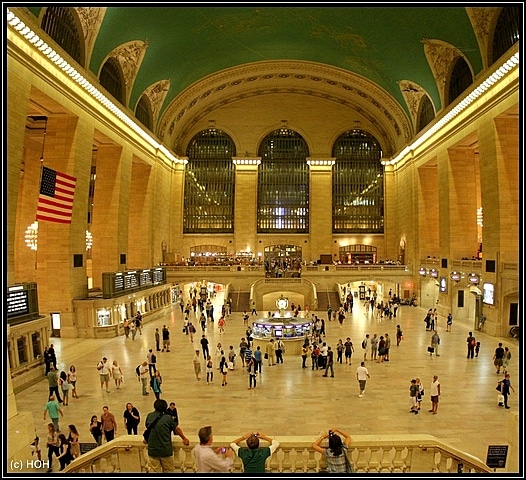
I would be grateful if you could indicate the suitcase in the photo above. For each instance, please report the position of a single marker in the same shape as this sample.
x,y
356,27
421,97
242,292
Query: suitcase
x,y
430,349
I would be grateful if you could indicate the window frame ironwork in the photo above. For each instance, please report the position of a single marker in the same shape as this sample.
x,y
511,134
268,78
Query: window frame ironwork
x,y
283,183
353,169
59,23
506,32
209,187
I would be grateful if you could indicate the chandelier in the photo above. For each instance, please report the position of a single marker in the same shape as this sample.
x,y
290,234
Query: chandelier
x,y
31,235
89,239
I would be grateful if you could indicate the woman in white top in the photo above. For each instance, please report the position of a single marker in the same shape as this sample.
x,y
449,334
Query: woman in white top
x,y
72,379
116,373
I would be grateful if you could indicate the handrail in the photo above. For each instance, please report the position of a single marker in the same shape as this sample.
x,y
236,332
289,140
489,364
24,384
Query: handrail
x,y
368,453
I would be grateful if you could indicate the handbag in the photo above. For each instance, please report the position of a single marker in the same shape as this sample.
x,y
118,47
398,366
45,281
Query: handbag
x,y
499,387
430,349
266,356
146,434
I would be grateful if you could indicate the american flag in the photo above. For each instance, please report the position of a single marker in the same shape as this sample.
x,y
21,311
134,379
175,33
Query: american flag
x,y
55,202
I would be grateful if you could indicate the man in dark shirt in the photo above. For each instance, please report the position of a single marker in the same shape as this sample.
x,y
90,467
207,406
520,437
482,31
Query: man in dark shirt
x,y
498,357
160,451
204,347
172,410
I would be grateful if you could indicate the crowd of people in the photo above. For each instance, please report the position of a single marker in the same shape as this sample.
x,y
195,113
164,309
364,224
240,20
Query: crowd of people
x,y
227,359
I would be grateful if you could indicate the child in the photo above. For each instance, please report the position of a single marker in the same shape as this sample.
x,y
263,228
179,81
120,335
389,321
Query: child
x,y
477,348
35,448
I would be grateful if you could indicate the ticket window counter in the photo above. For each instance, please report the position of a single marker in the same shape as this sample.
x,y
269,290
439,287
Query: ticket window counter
x,y
55,324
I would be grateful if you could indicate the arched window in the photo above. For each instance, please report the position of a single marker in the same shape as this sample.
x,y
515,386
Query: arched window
x,y
59,23
111,79
461,79
209,183
506,31
357,184
143,112
283,183
426,113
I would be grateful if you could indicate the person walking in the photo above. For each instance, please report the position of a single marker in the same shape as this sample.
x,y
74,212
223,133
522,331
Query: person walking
x,y
413,392
53,409
252,373
254,457
362,374
73,441
157,340
435,393
109,424
95,428
133,329
365,344
204,346
116,373
279,349
64,386
329,362
349,349
104,374
196,361
258,358
209,369
498,357
126,326
270,351
399,335
144,376
132,419
336,452
72,379
166,339
304,353
210,460
506,359
138,321
471,345
223,369
151,358
52,378
339,351
505,386
156,382
191,331
160,425
52,445
435,342
449,322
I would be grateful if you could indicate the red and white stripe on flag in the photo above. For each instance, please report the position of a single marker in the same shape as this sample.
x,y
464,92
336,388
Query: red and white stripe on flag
x,y
55,201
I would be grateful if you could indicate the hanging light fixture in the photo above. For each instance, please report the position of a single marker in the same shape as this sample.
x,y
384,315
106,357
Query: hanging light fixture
x,y
31,235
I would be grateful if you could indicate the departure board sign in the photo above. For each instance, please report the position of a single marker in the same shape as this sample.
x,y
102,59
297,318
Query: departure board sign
x,y
22,303
145,278
120,283
17,301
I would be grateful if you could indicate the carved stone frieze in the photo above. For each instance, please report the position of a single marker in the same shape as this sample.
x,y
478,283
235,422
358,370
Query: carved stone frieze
x,y
91,20
482,20
130,56
157,93
269,77
412,94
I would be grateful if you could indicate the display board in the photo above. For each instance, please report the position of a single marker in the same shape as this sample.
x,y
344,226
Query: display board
x,y
121,283
22,302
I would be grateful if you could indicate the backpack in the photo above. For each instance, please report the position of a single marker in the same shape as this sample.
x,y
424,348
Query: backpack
x,y
154,358
138,370
364,343
473,341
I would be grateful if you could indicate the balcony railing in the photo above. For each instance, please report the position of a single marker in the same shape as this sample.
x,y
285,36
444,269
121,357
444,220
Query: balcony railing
x,y
368,454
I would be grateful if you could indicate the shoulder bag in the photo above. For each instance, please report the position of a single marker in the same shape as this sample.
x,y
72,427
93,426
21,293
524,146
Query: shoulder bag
x,y
146,434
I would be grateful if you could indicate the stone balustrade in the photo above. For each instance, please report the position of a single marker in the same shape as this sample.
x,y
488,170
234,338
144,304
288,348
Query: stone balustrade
x,y
368,454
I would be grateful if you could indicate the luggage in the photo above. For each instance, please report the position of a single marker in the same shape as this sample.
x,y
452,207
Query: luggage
x,y
230,365
431,349
500,400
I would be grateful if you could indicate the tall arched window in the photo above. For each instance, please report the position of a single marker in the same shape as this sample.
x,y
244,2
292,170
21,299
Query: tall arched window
x,y
143,112
357,184
506,31
461,79
111,79
426,113
283,183
209,183
59,23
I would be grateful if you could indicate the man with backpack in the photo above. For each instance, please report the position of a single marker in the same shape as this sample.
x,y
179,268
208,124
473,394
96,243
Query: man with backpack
x,y
471,345
152,360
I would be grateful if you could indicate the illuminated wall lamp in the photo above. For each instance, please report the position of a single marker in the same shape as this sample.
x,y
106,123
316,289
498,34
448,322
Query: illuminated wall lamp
x,y
422,271
455,276
434,273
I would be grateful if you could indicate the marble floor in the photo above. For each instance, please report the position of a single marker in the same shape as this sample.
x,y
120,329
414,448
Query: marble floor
x,y
290,400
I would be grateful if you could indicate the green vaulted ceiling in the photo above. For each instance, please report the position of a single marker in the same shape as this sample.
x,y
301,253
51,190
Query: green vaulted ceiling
x,y
188,43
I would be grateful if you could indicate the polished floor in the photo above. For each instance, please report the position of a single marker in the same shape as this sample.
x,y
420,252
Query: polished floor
x,y
290,400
